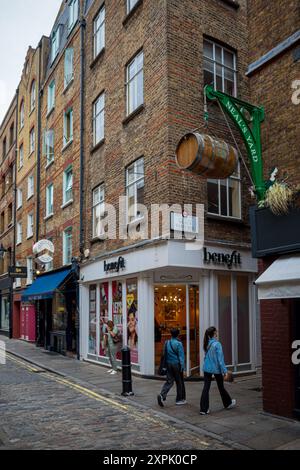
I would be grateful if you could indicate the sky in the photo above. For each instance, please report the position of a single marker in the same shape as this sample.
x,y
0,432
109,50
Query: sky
x,y
22,24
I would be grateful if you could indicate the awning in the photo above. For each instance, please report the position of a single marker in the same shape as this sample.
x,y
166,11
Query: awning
x,y
44,286
281,280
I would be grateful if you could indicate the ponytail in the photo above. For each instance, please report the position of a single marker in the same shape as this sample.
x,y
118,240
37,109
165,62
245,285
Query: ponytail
x,y
208,335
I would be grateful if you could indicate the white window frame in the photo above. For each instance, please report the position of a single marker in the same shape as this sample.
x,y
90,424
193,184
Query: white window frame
x,y
66,237
99,32
55,44
19,198
134,80
21,156
131,4
68,112
29,262
98,202
32,141
49,200
221,64
49,146
22,114
73,13
99,116
235,177
68,66
30,186
30,223
19,233
51,96
66,189
32,95
138,179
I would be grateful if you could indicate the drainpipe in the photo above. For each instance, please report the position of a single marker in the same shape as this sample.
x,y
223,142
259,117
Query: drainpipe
x,y
38,165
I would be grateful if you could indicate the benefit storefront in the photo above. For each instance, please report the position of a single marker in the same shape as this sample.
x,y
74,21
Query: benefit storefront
x,y
149,290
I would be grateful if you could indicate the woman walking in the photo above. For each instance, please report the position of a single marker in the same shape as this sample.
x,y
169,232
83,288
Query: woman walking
x,y
214,364
112,334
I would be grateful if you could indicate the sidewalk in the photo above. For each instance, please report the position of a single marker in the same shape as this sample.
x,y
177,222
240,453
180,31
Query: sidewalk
x,y
245,425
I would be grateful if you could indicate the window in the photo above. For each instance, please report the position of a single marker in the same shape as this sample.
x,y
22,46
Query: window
x,y
31,141
98,210
19,233
224,196
98,119
30,225
73,13
21,156
30,187
4,148
67,246
49,200
2,222
131,4
69,55
54,44
99,32
22,114
49,146
32,96
135,83
68,185
10,214
135,183
19,198
219,66
68,126
51,96
11,134
29,270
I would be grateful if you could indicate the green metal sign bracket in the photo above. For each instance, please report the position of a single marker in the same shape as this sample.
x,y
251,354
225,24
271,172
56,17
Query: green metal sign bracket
x,y
248,119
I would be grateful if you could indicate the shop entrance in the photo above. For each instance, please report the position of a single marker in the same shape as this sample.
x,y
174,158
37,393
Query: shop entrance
x,y
296,315
177,306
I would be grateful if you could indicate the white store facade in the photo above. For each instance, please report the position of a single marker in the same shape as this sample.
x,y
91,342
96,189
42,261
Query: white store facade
x,y
150,288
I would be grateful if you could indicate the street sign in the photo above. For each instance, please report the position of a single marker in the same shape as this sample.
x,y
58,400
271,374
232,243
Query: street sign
x,y
17,272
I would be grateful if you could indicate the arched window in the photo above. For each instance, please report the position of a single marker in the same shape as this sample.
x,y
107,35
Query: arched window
x,y
32,96
22,114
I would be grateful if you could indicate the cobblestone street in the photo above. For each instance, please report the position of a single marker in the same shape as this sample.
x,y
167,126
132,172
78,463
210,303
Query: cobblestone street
x,y
40,410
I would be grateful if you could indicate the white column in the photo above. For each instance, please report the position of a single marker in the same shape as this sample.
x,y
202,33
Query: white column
x,y
146,324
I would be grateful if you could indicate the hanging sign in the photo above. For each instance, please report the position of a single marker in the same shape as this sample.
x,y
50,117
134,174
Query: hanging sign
x,y
44,249
17,272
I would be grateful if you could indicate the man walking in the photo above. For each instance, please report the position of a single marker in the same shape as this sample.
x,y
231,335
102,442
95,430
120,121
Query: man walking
x,y
175,368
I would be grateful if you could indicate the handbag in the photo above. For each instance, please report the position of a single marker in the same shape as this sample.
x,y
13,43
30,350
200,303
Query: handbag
x,y
229,377
162,370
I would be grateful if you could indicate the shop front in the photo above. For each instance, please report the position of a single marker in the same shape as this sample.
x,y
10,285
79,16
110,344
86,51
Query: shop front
x,y
148,291
5,299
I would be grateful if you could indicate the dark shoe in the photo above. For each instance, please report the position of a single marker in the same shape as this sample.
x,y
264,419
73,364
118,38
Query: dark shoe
x,y
160,401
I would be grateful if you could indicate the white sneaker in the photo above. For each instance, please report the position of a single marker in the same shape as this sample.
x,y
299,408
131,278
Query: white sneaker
x,y
233,404
203,412
114,372
181,402
109,371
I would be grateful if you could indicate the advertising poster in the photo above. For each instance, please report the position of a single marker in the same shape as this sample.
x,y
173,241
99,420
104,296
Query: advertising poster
x,y
103,316
117,310
132,319
92,321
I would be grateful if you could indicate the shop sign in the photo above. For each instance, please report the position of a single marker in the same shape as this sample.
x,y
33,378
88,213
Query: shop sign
x,y
184,223
222,258
44,249
17,272
115,266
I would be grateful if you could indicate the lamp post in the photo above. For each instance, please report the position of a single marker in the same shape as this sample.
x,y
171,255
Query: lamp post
x,y
2,253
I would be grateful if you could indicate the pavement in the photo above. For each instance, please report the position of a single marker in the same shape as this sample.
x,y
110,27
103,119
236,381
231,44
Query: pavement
x,y
244,427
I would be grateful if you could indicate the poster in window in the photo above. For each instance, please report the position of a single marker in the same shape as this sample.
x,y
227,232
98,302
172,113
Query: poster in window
x,y
117,308
103,316
92,320
132,318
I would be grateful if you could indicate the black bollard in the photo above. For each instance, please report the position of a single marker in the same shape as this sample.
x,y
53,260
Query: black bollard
x,y
126,373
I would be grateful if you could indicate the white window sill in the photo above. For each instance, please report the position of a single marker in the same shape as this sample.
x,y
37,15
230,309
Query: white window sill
x,y
28,283
20,168
68,85
20,207
31,153
49,216
18,243
50,112
29,236
31,111
66,204
29,197
67,145
227,218
49,164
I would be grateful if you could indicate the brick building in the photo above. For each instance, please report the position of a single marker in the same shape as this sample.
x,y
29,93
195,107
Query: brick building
x,y
273,73
145,67
7,211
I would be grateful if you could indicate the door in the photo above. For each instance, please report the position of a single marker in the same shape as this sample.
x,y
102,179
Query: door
x,y
296,316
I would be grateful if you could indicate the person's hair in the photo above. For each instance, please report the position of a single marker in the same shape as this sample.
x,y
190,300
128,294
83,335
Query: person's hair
x,y
110,324
208,335
175,332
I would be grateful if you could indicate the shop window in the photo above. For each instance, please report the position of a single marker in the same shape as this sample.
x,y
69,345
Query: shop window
x,y
117,307
135,83
135,183
60,314
219,65
132,318
99,32
225,316
5,309
243,319
104,317
92,321
98,119
224,196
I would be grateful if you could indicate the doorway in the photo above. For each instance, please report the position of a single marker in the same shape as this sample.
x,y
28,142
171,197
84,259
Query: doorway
x,y
296,329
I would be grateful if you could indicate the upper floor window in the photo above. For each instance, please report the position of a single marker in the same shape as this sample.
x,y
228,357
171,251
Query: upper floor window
x,y
10,214
67,246
135,183
73,13
11,134
131,4
98,210
2,222
29,263
219,66
31,141
22,114
49,200
21,156
98,119
69,55
54,44
4,148
68,185
19,198
224,196
68,126
135,83
19,233
32,96
30,187
49,146
51,96
30,225
99,32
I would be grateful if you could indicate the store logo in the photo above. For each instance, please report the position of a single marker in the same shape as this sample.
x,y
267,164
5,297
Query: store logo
x,y
115,266
44,249
2,353
222,258
296,354
296,94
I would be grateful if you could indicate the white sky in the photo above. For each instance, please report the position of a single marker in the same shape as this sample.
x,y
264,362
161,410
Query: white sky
x,y
22,24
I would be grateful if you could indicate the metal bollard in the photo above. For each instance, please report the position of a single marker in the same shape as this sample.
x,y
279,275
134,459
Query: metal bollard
x,y
126,373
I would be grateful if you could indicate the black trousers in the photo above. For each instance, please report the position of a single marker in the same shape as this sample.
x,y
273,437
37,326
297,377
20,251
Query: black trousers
x,y
174,374
204,402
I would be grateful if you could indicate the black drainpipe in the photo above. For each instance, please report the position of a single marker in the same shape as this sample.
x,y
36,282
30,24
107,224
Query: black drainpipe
x,y
38,164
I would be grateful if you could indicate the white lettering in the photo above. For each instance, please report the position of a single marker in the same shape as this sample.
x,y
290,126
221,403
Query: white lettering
x,y
296,94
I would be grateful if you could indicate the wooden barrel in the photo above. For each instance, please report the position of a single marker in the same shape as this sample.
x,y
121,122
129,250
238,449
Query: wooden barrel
x,y
206,156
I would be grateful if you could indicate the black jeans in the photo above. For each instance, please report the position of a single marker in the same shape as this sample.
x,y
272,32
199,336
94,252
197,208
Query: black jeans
x,y
174,374
204,402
